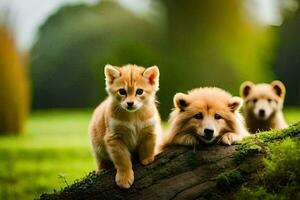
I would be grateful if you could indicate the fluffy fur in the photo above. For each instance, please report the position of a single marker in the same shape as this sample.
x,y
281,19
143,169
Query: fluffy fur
x,y
205,114
263,105
127,121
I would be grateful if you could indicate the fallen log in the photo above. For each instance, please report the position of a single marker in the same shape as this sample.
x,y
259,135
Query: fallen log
x,y
205,172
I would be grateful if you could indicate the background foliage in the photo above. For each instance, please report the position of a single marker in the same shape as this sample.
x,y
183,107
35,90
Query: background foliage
x,y
14,85
67,65
194,43
287,62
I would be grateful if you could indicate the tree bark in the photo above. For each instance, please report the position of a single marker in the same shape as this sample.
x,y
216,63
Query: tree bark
x,y
177,173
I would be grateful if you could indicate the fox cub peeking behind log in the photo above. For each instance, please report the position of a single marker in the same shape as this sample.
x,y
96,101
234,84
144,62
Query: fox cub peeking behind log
x,y
263,105
205,114
127,121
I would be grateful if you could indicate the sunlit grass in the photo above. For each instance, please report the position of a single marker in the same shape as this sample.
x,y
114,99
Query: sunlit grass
x,y
292,114
54,152
55,147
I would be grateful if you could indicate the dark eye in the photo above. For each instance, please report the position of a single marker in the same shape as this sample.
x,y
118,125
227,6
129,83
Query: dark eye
x,y
122,92
254,100
217,116
269,100
139,91
199,116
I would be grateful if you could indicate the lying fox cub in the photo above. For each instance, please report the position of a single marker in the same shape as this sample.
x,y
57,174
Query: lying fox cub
x,y
205,114
127,121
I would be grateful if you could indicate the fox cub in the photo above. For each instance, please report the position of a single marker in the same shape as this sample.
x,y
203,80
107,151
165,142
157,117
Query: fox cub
x,y
205,114
263,105
127,121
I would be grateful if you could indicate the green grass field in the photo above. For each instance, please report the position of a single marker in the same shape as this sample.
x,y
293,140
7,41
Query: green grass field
x,y
53,153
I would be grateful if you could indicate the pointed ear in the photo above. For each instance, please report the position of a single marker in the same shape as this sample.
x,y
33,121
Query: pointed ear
x,y
245,88
278,88
152,74
111,73
181,101
235,103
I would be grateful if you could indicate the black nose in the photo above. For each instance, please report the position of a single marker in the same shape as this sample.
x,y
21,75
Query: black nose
x,y
129,104
262,112
209,132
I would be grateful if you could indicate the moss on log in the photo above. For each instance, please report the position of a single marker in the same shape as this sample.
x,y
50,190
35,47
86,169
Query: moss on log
x,y
208,172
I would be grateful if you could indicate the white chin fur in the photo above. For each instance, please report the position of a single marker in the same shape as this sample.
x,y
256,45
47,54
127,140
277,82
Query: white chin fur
x,y
131,110
262,118
207,141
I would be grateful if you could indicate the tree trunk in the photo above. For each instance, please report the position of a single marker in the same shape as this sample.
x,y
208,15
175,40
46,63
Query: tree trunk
x,y
181,173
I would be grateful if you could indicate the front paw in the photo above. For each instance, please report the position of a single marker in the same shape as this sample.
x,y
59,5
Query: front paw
x,y
229,138
125,179
148,160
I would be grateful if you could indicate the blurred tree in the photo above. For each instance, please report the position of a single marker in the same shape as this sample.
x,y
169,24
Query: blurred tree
x,y
76,42
287,64
214,43
14,88
202,43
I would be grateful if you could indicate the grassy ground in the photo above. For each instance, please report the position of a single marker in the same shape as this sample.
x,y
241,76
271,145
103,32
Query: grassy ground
x,y
54,152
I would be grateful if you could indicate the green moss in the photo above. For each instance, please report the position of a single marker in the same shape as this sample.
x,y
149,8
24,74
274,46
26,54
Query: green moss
x,y
280,178
192,159
257,142
226,181
259,193
246,148
268,136
262,194
282,163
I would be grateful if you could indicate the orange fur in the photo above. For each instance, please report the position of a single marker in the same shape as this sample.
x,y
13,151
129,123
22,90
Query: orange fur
x,y
117,129
202,111
263,105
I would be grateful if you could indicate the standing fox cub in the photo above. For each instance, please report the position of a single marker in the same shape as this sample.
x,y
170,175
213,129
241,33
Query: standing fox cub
x,y
263,105
127,121
205,114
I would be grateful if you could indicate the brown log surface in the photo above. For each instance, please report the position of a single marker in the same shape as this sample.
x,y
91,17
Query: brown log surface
x,y
177,173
